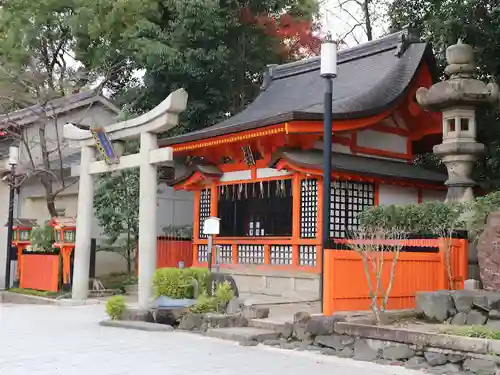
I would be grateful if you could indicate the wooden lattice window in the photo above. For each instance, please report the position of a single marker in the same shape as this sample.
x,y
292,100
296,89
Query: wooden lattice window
x,y
204,210
307,255
348,199
202,253
308,208
251,254
281,254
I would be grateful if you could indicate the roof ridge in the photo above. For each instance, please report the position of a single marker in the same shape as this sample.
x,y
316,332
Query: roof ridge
x,y
387,42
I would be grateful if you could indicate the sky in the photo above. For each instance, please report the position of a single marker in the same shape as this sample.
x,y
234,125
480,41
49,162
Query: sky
x,y
344,19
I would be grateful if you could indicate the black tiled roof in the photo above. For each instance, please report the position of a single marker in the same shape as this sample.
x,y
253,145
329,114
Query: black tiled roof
x,y
363,165
371,77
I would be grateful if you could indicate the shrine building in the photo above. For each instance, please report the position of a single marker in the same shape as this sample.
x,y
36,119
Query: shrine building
x,y
260,171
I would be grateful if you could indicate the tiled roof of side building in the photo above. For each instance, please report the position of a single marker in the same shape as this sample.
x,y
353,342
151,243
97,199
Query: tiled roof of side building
x,y
371,77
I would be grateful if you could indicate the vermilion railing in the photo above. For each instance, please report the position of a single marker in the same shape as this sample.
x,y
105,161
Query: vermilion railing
x,y
346,287
171,252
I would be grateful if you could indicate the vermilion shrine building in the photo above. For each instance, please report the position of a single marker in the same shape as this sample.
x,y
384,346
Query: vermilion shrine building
x,y
260,170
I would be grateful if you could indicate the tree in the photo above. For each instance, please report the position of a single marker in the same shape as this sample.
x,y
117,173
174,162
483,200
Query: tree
x,y
379,250
116,204
51,48
218,52
477,22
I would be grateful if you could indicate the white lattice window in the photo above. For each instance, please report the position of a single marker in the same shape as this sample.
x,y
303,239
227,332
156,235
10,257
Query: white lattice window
x,y
307,255
348,199
202,253
281,254
204,210
251,254
308,208
226,254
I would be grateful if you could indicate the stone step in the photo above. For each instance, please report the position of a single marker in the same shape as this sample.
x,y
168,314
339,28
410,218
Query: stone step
x,y
132,290
270,324
242,334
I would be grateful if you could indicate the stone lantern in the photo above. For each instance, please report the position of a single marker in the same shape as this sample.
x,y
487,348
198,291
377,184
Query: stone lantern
x,y
457,98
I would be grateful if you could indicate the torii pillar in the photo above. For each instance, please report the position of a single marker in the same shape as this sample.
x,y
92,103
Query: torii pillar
x,y
146,127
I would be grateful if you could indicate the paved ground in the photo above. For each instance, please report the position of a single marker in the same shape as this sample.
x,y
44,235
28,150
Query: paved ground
x,y
48,340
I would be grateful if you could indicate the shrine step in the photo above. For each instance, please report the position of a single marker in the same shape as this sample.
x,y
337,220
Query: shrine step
x,y
242,334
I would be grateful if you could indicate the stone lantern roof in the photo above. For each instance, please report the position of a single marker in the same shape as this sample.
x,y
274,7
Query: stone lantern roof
x,y
461,89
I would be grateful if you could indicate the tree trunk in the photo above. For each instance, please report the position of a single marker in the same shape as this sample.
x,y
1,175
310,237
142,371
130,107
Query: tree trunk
x,y
368,21
129,253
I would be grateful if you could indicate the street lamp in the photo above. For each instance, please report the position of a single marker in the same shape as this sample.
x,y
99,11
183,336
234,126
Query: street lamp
x,y
328,71
13,162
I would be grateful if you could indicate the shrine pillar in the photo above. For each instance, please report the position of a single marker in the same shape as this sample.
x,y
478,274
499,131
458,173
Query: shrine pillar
x,y
458,98
84,226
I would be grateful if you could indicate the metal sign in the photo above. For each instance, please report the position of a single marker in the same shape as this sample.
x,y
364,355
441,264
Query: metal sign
x,y
104,145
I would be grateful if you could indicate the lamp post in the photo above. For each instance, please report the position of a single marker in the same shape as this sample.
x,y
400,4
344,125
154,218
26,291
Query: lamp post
x,y
328,71
13,161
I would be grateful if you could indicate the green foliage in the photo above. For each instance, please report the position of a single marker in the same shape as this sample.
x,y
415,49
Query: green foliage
x,y
179,231
473,331
32,292
116,207
178,283
41,238
199,274
115,307
215,54
434,218
204,303
223,293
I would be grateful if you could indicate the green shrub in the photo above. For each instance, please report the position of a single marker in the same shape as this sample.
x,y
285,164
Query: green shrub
x,y
204,304
223,293
200,275
115,307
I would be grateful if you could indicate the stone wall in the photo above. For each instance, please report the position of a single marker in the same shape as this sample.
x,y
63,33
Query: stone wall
x,y
461,307
434,353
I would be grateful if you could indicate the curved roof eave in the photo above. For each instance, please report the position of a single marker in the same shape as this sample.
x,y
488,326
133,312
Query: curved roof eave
x,y
295,92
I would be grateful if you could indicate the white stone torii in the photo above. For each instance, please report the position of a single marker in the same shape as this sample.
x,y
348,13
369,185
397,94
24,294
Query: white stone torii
x,y
160,119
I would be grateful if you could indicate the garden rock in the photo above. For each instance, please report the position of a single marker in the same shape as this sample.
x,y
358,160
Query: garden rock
x,y
397,352
272,342
319,325
363,352
337,342
455,358
300,332
190,322
416,363
480,366
463,300
434,305
494,314
447,369
460,319
255,312
435,359
301,317
475,317
249,343
287,330
234,306
493,324
346,353
327,351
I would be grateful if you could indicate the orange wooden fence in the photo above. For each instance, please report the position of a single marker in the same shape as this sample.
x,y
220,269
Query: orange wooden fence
x,y
346,286
40,272
170,252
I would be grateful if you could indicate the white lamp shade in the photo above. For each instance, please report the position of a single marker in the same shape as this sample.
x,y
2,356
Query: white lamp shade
x,y
329,59
13,155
